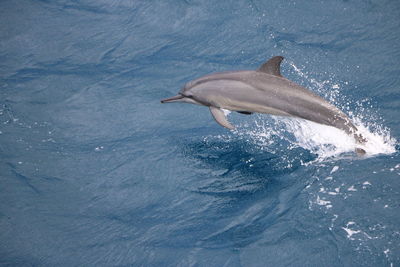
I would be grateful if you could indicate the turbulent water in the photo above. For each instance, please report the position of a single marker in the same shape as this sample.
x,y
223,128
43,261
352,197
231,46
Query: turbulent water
x,y
94,171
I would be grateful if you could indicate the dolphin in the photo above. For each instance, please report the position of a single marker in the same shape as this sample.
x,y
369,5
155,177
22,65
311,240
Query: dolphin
x,y
263,90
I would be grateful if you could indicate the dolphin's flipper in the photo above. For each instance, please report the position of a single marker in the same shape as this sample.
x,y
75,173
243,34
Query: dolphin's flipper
x,y
220,117
272,66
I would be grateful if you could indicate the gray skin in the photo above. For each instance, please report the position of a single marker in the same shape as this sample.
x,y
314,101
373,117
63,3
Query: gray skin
x,y
262,91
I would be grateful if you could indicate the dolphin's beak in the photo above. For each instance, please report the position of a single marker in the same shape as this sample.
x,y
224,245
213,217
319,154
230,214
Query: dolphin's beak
x,y
176,98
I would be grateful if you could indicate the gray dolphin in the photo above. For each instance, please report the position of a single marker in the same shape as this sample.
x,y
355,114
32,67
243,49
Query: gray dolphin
x,y
263,90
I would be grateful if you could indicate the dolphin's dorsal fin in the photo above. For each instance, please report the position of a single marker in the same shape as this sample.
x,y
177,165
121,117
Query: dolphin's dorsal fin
x,y
219,117
272,66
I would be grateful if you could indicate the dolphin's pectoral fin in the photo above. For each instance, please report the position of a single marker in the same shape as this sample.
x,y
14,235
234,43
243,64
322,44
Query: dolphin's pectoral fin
x,y
245,112
220,117
272,66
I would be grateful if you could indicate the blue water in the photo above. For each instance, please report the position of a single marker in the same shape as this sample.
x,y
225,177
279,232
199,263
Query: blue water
x,y
94,171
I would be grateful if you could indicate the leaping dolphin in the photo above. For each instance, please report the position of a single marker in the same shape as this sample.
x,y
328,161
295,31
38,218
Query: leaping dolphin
x,y
263,90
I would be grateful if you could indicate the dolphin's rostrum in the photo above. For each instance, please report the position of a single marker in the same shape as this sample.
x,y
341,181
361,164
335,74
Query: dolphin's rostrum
x,y
264,90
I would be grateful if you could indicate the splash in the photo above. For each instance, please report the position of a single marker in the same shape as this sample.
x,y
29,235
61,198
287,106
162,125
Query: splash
x,y
330,142
324,141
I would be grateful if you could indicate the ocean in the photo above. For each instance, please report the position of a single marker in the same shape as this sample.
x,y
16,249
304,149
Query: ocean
x,y
95,171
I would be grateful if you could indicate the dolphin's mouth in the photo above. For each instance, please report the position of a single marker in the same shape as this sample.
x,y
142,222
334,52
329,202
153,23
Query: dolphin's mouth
x,y
172,99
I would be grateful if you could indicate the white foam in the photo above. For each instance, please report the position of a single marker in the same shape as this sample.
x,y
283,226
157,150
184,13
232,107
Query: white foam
x,y
324,141
319,139
226,112
352,188
328,141
386,251
379,140
322,202
351,232
335,168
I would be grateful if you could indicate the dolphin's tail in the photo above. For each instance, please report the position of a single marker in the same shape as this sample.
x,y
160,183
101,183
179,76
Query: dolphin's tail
x,y
360,140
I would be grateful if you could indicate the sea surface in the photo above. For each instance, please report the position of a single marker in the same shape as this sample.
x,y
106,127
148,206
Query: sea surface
x,y
95,171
